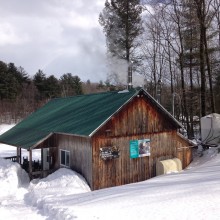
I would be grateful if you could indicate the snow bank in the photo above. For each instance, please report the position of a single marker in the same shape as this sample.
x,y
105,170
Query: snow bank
x,y
66,179
48,193
13,188
12,176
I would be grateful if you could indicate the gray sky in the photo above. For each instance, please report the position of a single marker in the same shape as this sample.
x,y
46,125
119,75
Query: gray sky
x,y
57,36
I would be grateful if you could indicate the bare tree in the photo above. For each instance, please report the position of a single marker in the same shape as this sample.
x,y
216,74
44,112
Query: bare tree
x,y
205,16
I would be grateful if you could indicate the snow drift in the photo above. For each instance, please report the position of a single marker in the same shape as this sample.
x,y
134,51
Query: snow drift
x,y
12,176
64,181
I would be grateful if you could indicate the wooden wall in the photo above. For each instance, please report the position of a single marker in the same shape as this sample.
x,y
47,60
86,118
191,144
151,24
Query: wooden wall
x,y
136,121
80,154
184,151
124,169
138,117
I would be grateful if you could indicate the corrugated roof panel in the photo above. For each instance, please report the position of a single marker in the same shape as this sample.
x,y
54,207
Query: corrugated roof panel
x,y
79,115
23,137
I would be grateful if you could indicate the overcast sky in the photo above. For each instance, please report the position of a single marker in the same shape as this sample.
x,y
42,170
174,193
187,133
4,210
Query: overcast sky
x,y
56,36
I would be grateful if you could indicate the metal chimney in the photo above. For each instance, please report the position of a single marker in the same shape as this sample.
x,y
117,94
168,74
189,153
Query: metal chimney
x,y
130,76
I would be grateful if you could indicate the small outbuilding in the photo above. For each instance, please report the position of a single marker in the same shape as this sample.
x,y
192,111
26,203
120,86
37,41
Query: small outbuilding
x,y
110,138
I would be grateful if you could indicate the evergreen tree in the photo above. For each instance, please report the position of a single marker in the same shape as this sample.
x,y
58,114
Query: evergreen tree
x,y
70,85
39,79
52,87
3,74
40,83
121,21
10,86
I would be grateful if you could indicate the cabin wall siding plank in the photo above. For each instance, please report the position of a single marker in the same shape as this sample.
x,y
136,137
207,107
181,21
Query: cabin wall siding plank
x,y
80,154
124,170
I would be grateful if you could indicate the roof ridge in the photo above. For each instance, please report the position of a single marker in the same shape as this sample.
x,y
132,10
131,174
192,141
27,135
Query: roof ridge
x,y
89,94
93,94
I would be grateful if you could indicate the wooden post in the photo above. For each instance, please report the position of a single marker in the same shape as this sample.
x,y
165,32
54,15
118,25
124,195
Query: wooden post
x,y
42,165
19,155
30,163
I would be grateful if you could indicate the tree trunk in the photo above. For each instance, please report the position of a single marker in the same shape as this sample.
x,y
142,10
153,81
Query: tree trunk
x,y
181,62
209,72
191,132
201,16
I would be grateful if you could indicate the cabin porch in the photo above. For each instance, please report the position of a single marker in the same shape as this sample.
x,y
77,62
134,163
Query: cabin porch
x,y
36,167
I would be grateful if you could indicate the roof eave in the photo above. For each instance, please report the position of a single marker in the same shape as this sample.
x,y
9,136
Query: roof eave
x,y
74,135
187,140
39,142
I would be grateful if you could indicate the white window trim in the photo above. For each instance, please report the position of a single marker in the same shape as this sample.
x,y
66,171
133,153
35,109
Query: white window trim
x,y
64,165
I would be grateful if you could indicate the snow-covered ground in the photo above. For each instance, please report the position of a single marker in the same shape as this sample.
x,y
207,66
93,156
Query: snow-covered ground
x,y
191,194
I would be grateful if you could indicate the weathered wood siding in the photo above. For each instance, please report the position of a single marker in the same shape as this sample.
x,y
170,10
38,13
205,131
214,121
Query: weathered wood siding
x,y
124,169
80,154
184,151
138,117
138,120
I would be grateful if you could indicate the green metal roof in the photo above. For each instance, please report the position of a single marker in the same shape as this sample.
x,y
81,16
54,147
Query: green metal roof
x,y
78,115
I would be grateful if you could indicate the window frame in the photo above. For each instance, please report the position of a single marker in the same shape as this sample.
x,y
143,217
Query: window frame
x,y
67,158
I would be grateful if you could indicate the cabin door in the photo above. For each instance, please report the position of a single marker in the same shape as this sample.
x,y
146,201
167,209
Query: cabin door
x,y
46,164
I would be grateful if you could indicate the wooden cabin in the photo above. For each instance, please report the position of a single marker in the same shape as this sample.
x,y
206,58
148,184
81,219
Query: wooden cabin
x,y
110,138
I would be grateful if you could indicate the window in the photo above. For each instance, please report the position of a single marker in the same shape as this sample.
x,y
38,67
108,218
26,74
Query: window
x,y
65,158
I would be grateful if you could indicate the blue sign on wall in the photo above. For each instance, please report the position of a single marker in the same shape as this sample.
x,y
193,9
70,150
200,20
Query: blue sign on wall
x,y
139,148
134,152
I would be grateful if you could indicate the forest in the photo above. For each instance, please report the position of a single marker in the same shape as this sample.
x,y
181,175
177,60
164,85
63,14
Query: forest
x,y
21,94
174,44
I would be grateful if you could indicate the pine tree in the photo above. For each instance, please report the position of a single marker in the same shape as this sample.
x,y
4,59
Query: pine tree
x,y
10,81
121,21
40,83
52,87
70,85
